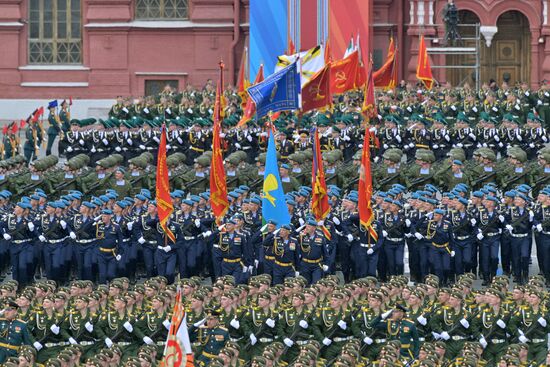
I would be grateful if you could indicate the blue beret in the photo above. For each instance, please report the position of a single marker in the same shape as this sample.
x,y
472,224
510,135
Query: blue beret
x,y
285,166
244,187
112,195
188,202
233,194
334,193
286,226
453,196
26,199
204,195
153,202
525,186
272,221
353,198
415,196
510,194
430,188
24,205
382,194
432,201
524,197
239,191
146,193
62,204
87,204
255,201
398,203
291,202
246,201
306,188
492,198
51,204
141,197
39,190
458,162
107,212
388,200
195,198
97,201
35,197
177,194
439,211
311,222
523,190
478,194
104,198
7,193
121,203
399,186
463,201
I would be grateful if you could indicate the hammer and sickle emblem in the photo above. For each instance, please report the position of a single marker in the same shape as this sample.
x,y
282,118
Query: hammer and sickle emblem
x,y
270,185
341,79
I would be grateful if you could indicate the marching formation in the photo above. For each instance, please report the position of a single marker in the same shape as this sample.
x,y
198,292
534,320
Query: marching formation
x,y
461,183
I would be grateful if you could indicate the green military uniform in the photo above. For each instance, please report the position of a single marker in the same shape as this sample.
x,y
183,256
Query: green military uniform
x,y
111,329
295,326
361,329
533,326
13,334
212,340
402,330
326,326
153,326
50,332
446,319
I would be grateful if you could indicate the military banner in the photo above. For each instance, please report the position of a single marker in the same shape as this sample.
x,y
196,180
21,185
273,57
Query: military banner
x,y
424,69
316,94
343,73
178,352
164,201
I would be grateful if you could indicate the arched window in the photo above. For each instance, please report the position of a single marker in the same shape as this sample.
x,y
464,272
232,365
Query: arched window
x,y
55,33
161,9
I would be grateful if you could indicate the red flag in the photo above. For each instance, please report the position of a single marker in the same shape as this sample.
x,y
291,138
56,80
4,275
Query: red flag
x,y
218,184
328,58
423,69
37,113
366,215
250,108
369,102
70,101
386,76
243,83
274,116
319,196
14,128
164,201
22,124
316,93
343,73
5,129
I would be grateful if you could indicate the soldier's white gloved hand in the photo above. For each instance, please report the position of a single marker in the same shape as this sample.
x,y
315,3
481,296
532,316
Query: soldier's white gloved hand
x,y
118,257
350,238
63,224
108,342
197,222
386,314
501,218
384,233
453,254
445,335
422,320
128,326
542,321
72,235
130,225
166,324
42,238
325,268
30,225
7,237
296,273
483,342
270,322
342,324
235,323
539,227
245,269
141,240
509,228
148,340
465,323
418,236
336,221
118,149
253,339
72,341
480,236
289,343
55,329
303,324
89,327
327,342
473,221
408,222
523,339
370,251
501,324
207,234
37,346
367,340
199,323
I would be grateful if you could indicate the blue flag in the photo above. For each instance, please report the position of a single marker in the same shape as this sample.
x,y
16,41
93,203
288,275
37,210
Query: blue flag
x,y
278,92
273,196
52,104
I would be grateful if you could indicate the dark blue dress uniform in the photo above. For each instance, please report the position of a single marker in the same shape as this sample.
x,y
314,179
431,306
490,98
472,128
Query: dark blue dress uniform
x,y
53,231
518,225
166,253
286,253
366,250
84,245
146,233
463,239
393,231
109,238
190,244
16,230
13,334
488,233
439,233
235,249
313,254
125,248
541,223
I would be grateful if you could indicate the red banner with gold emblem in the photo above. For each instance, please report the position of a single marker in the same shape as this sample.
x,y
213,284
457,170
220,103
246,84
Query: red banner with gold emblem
x,y
343,74
316,93
165,207
424,69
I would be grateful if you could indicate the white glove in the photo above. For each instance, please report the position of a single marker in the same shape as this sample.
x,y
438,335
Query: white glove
x,y
539,227
93,150
408,222
63,224
465,323
303,324
118,257
89,326
270,322
250,269
325,268
55,329
542,321
386,314
37,346
197,223
398,138
245,269
70,149
253,339
336,221
167,248
501,218
483,342
531,215
31,226
142,147
128,326
445,335
385,146
72,235
296,273
327,342
148,340
471,135
199,323
81,142
166,324
370,251
384,233
129,141
256,263
42,238
235,323
207,234
141,240
180,140
436,335
289,343
7,237
249,138
501,324
480,236
350,238
108,342
130,225
367,340
418,236
509,228
118,149
447,137
301,221
496,137
473,221
523,339
453,254
72,341
237,145
422,320
342,324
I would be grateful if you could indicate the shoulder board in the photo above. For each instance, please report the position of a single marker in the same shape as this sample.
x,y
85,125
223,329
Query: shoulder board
x,y
223,328
23,321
